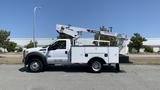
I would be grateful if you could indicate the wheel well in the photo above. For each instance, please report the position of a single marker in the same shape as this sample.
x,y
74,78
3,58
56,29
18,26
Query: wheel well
x,y
34,56
97,59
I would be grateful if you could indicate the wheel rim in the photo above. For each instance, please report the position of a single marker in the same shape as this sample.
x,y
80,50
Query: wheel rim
x,y
96,66
34,66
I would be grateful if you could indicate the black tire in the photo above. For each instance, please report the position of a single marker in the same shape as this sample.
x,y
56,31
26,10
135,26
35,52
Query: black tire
x,y
35,65
96,66
117,67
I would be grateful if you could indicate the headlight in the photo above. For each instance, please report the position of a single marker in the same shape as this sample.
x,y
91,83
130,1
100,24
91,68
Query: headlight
x,y
26,52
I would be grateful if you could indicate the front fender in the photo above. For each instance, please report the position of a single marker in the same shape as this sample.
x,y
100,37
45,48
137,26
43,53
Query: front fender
x,y
35,55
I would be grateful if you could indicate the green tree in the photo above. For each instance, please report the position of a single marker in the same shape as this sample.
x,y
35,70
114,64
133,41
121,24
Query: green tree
x,y
98,36
31,44
148,49
136,42
19,49
11,46
4,38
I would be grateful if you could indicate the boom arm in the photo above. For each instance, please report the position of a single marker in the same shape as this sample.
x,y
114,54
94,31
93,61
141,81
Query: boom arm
x,y
75,32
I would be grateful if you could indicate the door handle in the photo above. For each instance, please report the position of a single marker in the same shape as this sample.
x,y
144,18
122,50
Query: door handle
x,y
66,52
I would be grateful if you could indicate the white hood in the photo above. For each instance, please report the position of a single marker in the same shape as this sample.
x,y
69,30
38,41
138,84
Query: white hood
x,y
37,49
34,49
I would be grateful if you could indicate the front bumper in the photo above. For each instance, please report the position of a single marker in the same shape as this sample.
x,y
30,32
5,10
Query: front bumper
x,y
23,60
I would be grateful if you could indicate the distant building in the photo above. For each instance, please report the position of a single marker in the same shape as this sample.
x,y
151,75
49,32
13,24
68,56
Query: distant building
x,y
153,42
22,42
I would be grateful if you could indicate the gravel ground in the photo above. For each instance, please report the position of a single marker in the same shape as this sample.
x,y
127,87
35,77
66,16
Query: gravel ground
x,y
75,77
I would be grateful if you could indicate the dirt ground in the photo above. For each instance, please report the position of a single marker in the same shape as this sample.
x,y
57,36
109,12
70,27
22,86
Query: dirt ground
x,y
16,58
145,59
11,58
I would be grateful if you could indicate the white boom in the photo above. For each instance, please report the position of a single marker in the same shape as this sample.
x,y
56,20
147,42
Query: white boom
x,y
75,32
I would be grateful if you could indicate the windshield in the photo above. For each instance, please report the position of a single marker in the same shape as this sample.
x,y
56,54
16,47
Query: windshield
x,y
45,46
48,45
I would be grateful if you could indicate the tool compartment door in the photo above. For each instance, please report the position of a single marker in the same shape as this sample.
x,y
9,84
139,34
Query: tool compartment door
x,y
77,55
113,55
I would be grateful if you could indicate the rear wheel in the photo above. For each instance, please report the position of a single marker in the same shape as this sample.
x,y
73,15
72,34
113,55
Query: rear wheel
x,y
35,65
96,66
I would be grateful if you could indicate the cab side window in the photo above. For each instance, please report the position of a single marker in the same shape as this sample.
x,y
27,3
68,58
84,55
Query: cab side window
x,y
59,45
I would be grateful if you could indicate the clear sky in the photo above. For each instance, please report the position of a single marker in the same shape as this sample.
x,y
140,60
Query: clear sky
x,y
125,16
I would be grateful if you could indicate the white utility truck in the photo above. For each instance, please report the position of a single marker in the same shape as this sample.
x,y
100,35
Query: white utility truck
x,y
65,51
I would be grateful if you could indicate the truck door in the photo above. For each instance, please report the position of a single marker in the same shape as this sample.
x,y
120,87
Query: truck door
x,y
57,53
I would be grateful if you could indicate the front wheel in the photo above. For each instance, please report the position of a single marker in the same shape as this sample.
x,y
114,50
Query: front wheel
x,y
35,65
96,66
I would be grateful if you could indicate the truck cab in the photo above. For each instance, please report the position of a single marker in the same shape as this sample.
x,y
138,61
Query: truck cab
x,y
59,51
54,53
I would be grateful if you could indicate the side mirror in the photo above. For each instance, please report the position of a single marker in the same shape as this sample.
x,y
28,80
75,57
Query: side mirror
x,y
51,47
